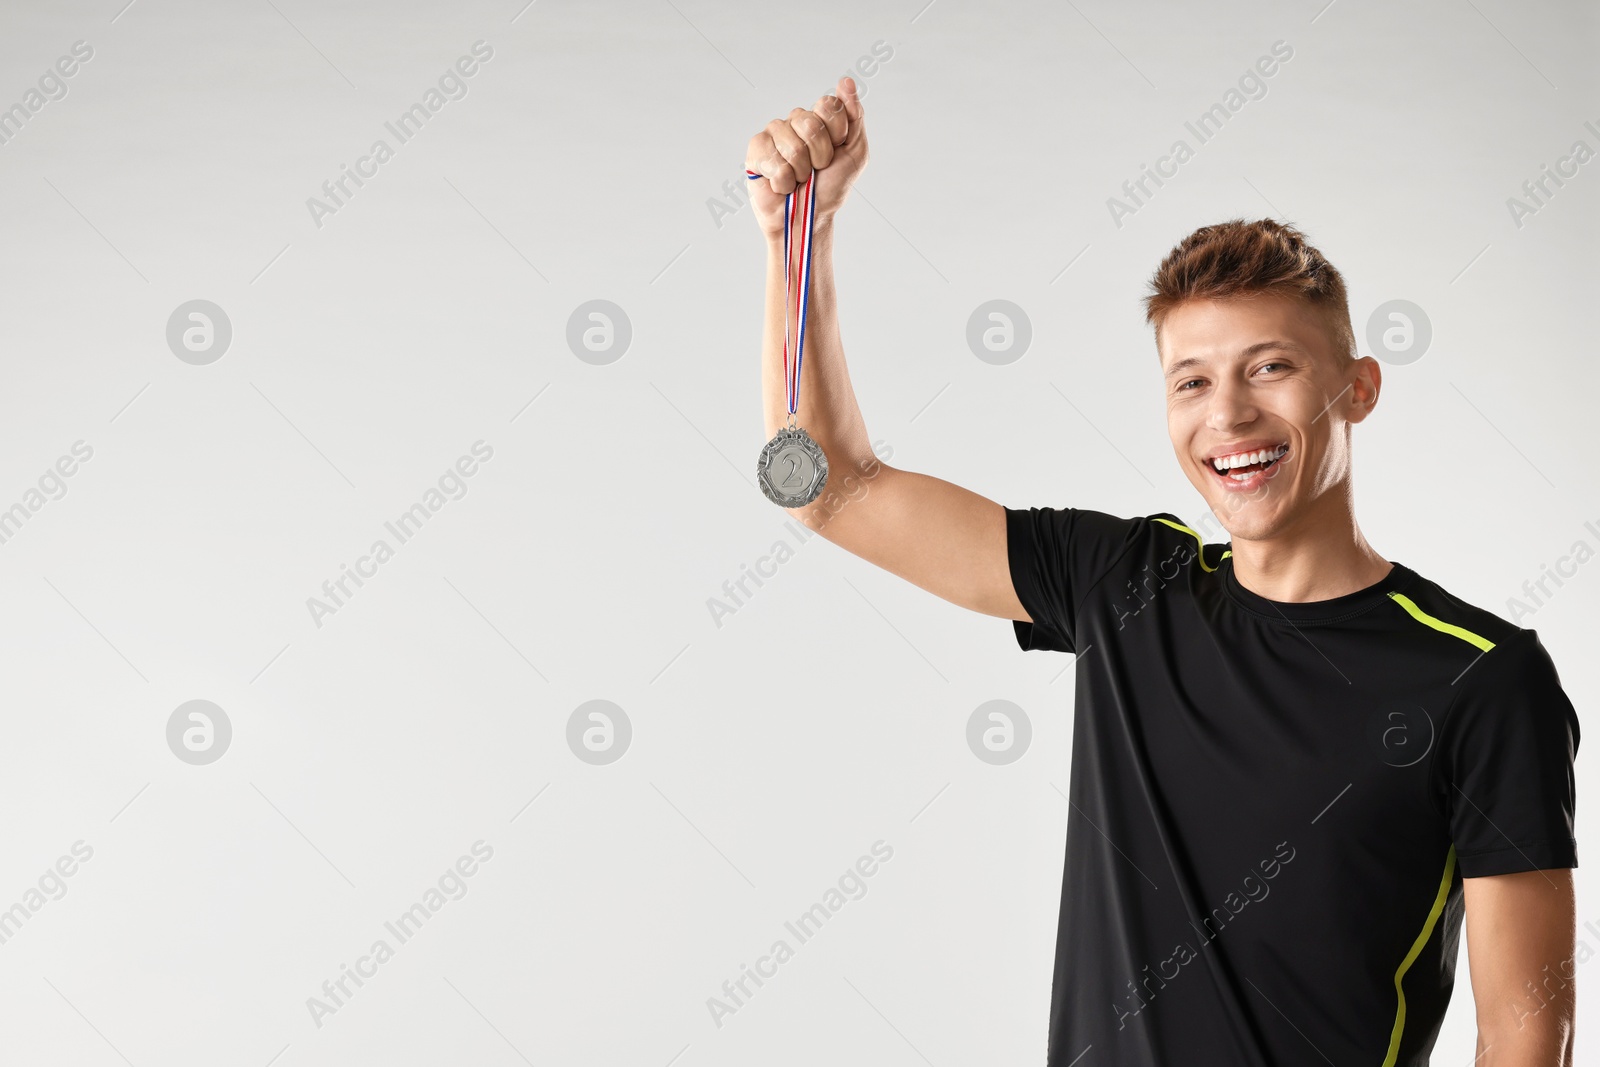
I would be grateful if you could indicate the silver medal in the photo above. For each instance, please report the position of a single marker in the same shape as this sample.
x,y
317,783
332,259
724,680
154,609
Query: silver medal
x,y
792,468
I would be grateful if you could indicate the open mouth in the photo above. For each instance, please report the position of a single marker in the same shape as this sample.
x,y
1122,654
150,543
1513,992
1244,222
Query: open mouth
x,y
1246,466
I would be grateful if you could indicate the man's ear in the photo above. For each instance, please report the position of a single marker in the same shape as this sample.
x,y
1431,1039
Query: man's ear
x,y
1366,382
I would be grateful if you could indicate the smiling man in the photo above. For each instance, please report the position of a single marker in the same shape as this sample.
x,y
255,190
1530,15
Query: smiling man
x,y
1296,765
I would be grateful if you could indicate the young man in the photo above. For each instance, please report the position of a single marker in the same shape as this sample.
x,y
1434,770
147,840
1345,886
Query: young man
x,y
1295,763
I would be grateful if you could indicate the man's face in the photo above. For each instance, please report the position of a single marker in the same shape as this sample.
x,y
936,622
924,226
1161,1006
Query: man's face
x,y
1259,375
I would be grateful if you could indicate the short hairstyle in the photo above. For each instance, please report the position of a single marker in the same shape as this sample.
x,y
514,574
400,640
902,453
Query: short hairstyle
x,y
1239,258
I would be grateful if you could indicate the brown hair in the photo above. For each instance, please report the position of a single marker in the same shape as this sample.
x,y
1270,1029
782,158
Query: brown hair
x,y
1238,258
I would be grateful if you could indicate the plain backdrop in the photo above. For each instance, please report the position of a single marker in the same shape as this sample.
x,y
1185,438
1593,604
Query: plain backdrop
x,y
758,753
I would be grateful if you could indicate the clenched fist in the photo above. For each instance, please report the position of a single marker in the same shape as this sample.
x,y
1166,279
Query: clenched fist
x,y
830,139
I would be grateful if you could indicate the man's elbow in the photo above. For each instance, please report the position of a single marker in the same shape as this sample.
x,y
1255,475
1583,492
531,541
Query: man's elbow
x,y
1536,1034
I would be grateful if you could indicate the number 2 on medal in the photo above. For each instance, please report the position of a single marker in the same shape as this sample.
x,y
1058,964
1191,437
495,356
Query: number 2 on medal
x,y
794,470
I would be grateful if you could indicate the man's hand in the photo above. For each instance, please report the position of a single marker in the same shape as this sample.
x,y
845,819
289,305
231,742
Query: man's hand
x,y
936,535
830,139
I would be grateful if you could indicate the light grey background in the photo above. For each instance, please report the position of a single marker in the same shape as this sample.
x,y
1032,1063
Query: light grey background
x,y
431,312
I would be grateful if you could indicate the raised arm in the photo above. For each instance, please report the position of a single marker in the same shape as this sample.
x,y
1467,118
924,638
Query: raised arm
x,y
937,535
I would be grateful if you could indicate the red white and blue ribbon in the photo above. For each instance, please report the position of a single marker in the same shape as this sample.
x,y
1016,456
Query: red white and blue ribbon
x,y
797,203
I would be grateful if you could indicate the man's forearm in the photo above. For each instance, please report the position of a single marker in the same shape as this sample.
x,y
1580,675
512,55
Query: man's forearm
x,y
827,410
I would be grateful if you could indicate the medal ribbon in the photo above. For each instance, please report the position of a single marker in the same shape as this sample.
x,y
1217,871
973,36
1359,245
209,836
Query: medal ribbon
x,y
799,202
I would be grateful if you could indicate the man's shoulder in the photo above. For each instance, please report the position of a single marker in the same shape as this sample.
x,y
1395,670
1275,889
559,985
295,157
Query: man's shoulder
x,y
1434,605
1101,545
1164,524
1175,539
1507,659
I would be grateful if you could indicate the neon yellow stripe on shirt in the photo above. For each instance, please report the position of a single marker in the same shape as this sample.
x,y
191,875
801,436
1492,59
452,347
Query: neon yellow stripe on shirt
x,y
1416,950
1202,544
1439,624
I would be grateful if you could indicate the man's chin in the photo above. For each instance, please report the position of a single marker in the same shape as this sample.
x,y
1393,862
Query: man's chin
x,y
1245,517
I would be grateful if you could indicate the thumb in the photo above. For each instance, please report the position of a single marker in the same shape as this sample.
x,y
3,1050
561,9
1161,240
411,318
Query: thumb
x,y
853,109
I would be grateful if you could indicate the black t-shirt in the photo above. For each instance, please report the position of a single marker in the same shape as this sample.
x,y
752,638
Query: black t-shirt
x,y
1273,804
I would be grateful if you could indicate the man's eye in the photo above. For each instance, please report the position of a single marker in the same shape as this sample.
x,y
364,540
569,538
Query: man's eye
x,y
1264,366
1183,386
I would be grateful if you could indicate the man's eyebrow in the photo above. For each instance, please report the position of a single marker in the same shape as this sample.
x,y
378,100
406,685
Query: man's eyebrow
x,y
1255,349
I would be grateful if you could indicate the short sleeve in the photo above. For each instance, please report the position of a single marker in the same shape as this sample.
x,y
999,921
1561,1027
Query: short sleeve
x,y
1056,556
1507,747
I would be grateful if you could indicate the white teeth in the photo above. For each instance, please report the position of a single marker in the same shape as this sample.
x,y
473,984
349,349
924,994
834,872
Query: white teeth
x,y
1245,459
